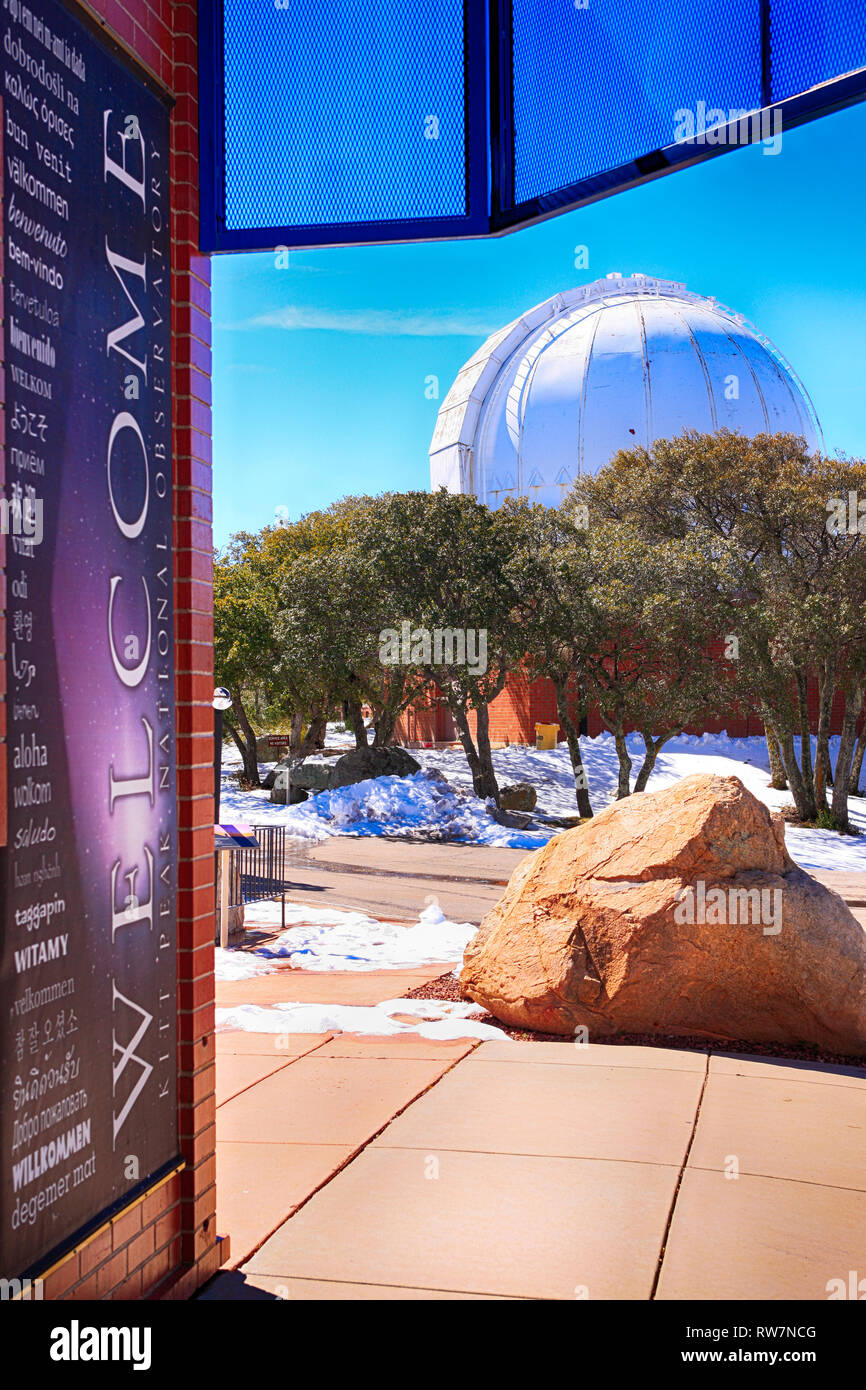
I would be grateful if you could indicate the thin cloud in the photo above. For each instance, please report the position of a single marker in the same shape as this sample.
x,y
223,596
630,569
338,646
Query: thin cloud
x,y
388,323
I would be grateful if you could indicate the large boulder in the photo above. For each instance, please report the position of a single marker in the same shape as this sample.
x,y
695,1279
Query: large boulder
x,y
312,776
674,912
363,763
284,789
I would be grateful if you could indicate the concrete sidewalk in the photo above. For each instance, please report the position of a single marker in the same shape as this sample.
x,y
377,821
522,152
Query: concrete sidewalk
x,y
546,1170
292,1111
395,878
399,1168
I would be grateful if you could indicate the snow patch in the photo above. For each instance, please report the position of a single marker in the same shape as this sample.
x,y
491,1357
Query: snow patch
x,y
239,965
432,1018
327,939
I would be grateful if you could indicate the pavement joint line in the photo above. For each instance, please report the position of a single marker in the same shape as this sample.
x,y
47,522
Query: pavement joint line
x,y
420,1288
280,1067
300,1058
521,1153
579,1067
794,1077
289,1143
679,1183
350,1158
779,1177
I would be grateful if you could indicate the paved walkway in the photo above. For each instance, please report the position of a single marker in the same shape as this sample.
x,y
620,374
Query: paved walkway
x,y
358,1168
394,878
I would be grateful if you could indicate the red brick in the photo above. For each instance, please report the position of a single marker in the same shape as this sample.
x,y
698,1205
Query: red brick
x,y
110,1274
167,1227
193,1089
95,1251
62,1278
193,995
155,1203
142,1247
128,1290
125,1226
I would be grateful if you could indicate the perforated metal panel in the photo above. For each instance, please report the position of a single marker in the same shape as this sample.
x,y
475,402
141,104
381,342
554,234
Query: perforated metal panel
x,y
395,120
597,87
812,41
350,116
590,92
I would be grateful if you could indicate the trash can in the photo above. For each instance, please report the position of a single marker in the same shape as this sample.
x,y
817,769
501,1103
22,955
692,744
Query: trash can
x,y
545,735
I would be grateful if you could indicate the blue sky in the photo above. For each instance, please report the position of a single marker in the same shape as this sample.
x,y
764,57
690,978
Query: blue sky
x,y
320,369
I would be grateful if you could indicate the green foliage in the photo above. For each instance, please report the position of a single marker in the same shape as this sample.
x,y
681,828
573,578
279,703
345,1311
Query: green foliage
x,y
785,584
624,597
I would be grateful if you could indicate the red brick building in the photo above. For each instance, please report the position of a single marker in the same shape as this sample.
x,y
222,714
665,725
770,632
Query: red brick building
x,y
523,704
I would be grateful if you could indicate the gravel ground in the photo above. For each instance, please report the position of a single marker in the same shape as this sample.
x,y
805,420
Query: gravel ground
x,y
448,987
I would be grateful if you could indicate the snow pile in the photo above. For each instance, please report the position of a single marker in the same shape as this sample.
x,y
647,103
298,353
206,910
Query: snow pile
x,y
238,965
322,939
415,807
433,1018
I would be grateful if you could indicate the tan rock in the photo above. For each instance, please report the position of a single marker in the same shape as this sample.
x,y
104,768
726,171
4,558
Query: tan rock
x,y
522,796
674,912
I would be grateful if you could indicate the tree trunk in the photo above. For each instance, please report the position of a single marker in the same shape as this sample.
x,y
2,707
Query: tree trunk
x,y
823,766
246,741
355,721
847,743
807,775
778,780
296,727
313,738
572,734
794,776
485,754
857,764
384,724
236,738
653,748
623,787
483,778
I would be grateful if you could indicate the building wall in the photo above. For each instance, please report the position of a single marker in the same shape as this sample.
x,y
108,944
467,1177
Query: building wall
x,y
523,704
166,1243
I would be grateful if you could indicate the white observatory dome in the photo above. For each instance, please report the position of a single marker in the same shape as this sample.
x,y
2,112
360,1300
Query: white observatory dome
x,y
611,365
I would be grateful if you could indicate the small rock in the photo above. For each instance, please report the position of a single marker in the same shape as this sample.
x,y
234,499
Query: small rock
x,y
279,787
514,820
521,796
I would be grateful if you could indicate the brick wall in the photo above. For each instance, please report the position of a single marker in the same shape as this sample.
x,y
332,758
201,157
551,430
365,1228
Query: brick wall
x,y
523,704
165,1243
